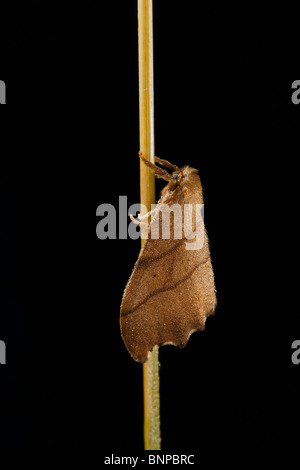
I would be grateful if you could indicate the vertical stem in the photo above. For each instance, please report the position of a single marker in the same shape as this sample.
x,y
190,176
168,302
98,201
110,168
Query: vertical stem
x,y
147,189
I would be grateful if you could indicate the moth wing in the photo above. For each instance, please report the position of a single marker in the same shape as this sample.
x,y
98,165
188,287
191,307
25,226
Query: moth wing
x,y
168,296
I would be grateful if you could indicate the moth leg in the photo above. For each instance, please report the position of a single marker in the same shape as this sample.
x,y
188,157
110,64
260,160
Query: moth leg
x,y
139,216
139,222
135,221
146,215
143,226
159,172
166,164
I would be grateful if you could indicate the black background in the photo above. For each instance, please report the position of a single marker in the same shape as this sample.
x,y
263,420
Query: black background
x,y
69,142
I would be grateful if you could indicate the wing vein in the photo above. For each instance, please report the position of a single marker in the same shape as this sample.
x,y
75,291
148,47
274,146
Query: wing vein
x,y
164,289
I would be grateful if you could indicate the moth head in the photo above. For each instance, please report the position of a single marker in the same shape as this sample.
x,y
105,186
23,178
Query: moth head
x,y
184,174
175,179
184,177
177,176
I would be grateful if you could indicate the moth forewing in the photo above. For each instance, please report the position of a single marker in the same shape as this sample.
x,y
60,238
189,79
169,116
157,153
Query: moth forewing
x,y
171,290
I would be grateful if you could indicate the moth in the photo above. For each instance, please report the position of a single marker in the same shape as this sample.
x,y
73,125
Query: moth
x,y
171,290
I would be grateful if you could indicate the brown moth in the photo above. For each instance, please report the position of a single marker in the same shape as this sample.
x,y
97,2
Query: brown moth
x,y
171,291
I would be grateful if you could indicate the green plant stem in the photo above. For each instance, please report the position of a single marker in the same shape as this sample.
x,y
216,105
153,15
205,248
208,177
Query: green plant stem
x,y
147,196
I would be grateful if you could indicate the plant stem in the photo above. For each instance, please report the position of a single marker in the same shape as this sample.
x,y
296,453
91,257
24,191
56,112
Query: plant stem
x,y
147,195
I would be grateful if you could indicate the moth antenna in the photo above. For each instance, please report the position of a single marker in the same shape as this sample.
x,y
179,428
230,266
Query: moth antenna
x,y
166,163
159,172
